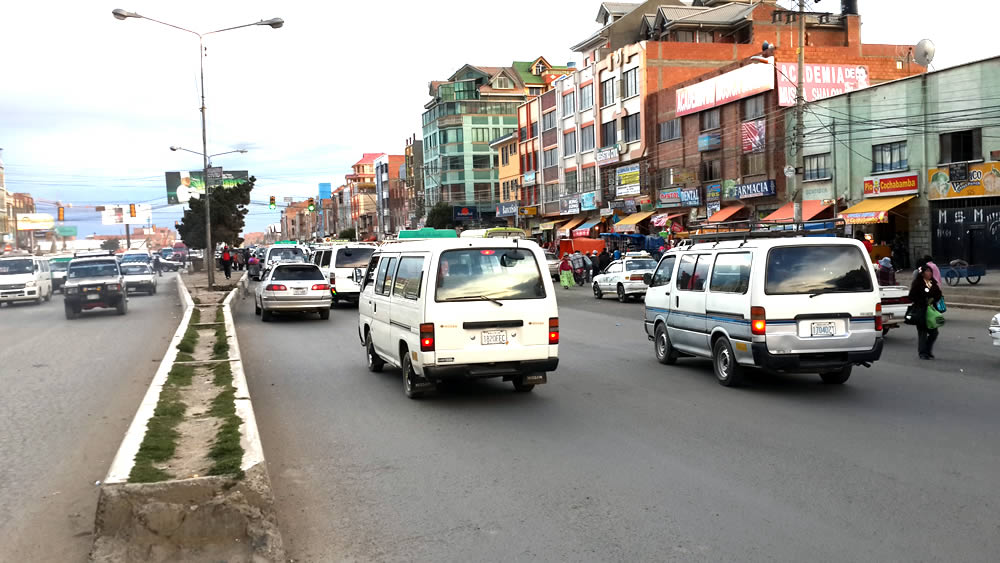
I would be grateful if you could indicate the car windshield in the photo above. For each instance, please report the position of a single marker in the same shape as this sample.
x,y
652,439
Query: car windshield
x,y
551,256
93,270
135,270
631,265
353,257
135,258
305,272
817,269
495,273
59,266
287,254
23,266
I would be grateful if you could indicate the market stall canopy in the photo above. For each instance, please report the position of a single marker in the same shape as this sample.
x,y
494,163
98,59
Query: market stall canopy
x,y
661,219
584,229
873,210
550,225
629,223
726,213
576,220
810,209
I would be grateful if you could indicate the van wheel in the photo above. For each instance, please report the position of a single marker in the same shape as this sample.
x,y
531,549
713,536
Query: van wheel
x,y
727,370
597,291
885,330
836,377
665,352
375,363
621,294
324,314
520,386
409,375
122,306
48,296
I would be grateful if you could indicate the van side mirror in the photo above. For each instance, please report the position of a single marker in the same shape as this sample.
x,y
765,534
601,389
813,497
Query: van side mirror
x,y
647,278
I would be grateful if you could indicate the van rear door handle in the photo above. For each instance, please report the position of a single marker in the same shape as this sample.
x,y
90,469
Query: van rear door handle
x,y
677,301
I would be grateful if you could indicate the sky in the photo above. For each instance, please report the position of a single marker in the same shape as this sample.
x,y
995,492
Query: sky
x,y
90,105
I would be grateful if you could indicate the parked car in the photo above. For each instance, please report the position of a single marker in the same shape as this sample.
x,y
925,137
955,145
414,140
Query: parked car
x,y
995,329
895,300
624,277
25,278
552,260
292,288
460,308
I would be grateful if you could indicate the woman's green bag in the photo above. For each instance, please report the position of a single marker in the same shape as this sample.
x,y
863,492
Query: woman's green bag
x,y
934,318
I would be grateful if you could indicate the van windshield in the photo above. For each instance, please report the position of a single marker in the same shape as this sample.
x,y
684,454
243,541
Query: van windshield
x,y
488,273
21,266
817,269
59,266
353,257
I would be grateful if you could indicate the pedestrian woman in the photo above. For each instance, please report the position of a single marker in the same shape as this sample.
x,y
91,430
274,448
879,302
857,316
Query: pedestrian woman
x,y
566,272
924,293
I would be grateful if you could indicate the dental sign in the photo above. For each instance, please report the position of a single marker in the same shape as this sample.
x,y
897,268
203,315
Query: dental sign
x,y
741,83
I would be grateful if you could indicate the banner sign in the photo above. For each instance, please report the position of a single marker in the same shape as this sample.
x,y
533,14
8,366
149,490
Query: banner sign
x,y
630,207
529,178
709,141
530,211
35,221
755,189
714,207
753,135
865,218
588,201
891,185
120,215
569,205
713,192
616,204
182,185
734,85
819,81
607,212
507,209
983,180
607,155
632,189
679,197
463,213
627,180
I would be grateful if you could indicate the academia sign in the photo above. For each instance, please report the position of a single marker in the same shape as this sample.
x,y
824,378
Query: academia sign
x,y
819,81
735,85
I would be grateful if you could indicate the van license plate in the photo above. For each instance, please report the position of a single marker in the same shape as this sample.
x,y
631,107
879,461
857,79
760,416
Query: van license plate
x,y
494,337
823,329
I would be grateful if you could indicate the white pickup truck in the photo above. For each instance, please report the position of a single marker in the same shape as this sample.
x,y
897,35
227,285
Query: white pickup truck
x,y
895,300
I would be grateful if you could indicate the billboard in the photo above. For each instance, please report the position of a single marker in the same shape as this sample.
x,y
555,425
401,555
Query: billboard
x,y
900,184
981,180
753,135
465,213
819,81
35,221
120,214
182,186
734,85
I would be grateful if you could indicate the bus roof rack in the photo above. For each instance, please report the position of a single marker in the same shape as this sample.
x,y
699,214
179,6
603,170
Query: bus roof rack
x,y
746,229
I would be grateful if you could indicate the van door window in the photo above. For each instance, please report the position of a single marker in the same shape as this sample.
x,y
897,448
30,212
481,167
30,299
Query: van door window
x,y
409,277
664,272
693,272
385,275
731,273
370,273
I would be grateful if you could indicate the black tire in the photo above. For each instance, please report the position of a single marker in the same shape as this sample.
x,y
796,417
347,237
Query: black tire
x,y
951,277
409,375
375,363
154,291
520,386
836,377
971,278
621,294
728,371
598,294
256,307
71,312
885,330
324,314
122,305
48,296
265,315
664,350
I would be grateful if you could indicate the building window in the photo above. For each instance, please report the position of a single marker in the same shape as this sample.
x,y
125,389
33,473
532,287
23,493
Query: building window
x,y
608,92
684,36
670,130
609,132
890,156
539,69
548,121
506,191
503,83
505,155
534,91
522,134
571,187
630,79
632,128
711,169
569,143
709,119
481,161
705,37
453,162
587,97
569,104
480,134
451,136
754,164
534,130
587,138
816,167
961,146
588,180
753,108
550,158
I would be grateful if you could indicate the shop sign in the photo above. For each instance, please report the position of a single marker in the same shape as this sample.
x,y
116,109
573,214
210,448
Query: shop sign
x,y
607,212
902,184
588,201
508,209
753,135
463,213
606,155
754,189
616,204
627,180
713,192
714,207
709,141
822,192
982,180
630,207
819,81
569,206
679,197
682,176
631,189
865,218
529,178
530,211
740,83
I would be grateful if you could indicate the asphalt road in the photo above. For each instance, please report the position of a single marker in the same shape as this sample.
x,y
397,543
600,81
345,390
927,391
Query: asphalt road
x,y
68,391
618,458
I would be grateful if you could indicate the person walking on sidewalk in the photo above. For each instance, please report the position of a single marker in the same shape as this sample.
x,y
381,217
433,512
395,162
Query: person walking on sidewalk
x,y
566,272
227,264
924,293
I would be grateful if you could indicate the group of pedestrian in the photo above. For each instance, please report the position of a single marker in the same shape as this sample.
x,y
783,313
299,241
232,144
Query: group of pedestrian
x,y
231,259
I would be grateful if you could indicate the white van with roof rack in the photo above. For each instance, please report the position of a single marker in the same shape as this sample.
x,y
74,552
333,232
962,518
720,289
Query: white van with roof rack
x,y
342,263
460,308
778,300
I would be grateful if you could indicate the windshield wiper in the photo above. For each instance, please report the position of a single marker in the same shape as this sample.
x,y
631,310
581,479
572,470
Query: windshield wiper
x,y
475,298
811,295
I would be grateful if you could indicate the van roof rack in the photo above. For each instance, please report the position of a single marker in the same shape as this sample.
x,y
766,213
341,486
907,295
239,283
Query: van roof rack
x,y
93,253
746,229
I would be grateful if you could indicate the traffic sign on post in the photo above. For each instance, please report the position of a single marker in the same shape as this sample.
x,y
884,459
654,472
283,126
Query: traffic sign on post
x,y
215,176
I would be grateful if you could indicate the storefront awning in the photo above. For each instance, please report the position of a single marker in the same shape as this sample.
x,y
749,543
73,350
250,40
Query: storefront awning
x,y
661,219
550,225
873,210
584,229
810,209
629,223
726,213
576,220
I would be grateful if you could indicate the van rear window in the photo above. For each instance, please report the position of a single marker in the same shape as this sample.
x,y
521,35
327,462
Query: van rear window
x,y
816,269
353,257
488,273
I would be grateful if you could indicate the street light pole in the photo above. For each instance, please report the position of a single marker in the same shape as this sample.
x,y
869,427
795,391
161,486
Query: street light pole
x,y
799,126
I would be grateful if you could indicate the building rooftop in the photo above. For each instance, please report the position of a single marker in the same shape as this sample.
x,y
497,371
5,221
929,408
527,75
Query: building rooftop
x,y
369,158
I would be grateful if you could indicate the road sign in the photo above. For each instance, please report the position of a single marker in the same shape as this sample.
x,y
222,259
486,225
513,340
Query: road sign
x,y
215,176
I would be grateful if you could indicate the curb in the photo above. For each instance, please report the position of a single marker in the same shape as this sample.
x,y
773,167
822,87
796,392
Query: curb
x,y
976,306
253,451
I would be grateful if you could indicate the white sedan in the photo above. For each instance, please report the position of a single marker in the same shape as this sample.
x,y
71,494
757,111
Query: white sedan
x,y
624,278
139,277
995,329
292,287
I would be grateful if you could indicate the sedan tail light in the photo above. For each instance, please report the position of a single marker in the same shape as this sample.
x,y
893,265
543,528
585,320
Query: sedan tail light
x,y
758,322
320,287
635,277
427,337
275,287
554,330
878,317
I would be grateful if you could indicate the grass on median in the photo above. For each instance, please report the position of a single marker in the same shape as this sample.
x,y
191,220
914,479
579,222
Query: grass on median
x,y
220,350
190,340
160,441
226,451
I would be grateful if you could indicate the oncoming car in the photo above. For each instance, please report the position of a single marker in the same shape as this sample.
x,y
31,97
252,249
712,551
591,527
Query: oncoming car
x,y
139,277
93,281
292,288
624,277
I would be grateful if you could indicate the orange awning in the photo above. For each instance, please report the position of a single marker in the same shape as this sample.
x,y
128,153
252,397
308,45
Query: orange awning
x,y
810,209
726,213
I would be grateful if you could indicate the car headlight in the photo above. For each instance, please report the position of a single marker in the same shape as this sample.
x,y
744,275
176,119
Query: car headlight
x,y
30,283
71,290
995,322
114,286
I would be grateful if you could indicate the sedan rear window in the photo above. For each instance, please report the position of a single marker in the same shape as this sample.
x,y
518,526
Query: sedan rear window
x,y
817,269
305,272
488,273
135,270
632,265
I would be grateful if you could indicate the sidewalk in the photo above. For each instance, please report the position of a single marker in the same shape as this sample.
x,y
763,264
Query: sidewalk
x,y
983,295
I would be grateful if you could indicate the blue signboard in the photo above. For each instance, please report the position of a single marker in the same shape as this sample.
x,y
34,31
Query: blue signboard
x,y
709,141
713,191
508,209
588,201
465,213
754,189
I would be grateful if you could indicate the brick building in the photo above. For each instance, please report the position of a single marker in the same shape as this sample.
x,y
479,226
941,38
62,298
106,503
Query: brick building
x,y
361,190
413,181
389,194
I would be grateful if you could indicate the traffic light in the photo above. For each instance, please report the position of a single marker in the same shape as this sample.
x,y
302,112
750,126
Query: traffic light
x,y
312,205
61,213
177,224
272,205
131,210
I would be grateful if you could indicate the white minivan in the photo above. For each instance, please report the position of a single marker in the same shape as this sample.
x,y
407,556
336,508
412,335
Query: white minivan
x,y
343,265
460,308
792,304
24,277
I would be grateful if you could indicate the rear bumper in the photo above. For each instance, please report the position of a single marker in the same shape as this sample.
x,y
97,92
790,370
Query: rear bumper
x,y
105,301
506,370
352,296
141,286
633,288
893,315
813,362
296,305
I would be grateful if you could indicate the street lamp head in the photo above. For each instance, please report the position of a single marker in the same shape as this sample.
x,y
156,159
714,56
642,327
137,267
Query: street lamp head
x,y
275,23
121,14
174,148
242,151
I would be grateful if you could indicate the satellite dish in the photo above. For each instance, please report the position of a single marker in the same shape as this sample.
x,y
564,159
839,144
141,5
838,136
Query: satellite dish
x,y
923,53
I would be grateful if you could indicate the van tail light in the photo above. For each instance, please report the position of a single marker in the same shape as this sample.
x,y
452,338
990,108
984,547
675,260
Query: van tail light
x,y
758,323
635,277
275,287
320,287
554,330
427,337
878,317
333,284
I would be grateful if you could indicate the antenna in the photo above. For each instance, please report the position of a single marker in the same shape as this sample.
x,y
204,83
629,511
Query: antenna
x,y
923,53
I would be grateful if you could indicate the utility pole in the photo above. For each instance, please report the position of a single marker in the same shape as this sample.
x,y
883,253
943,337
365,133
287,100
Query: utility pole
x,y
128,237
209,259
799,126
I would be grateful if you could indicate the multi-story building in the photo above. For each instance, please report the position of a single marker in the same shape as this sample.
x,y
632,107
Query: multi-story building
x,y
155,237
322,215
297,222
413,181
509,176
341,209
578,171
21,203
6,224
468,110
361,187
389,194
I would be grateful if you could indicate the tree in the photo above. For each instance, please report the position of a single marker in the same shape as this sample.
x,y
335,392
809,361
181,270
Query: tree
x,y
440,216
110,244
229,210
347,234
